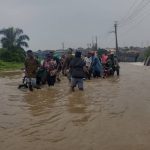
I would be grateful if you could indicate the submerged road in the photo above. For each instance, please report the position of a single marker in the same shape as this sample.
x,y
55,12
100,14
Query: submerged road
x,y
111,114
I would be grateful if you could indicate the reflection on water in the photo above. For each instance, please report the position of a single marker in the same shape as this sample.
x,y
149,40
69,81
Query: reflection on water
x,y
54,118
41,100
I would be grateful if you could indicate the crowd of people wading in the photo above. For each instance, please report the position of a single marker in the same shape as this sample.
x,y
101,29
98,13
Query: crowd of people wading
x,y
75,66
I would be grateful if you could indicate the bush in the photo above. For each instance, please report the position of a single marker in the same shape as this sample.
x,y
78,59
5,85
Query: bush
x,y
17,55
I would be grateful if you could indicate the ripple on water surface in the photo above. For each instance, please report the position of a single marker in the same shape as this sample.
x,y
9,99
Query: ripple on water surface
x,y
55,117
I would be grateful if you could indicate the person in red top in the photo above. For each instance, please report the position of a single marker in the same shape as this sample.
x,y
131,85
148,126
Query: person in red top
x,y
104,59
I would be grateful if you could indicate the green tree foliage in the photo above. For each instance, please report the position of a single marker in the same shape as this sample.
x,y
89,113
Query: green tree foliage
x,y
17,55
13,38
13,41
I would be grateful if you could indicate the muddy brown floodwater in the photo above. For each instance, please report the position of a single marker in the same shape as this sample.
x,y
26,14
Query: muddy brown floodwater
x,y
111,114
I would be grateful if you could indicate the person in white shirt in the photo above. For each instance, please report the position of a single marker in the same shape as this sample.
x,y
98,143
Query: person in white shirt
x,y
88,61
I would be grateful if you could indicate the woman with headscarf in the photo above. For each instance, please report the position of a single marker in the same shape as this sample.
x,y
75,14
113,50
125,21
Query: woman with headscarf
x,y
97,68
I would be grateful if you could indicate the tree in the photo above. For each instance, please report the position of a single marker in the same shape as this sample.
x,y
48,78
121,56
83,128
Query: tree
x,y
13,43
17,55
13,38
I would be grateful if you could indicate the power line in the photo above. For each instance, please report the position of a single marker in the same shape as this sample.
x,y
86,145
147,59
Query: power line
x,y
129,11
138,23
138,19
135,13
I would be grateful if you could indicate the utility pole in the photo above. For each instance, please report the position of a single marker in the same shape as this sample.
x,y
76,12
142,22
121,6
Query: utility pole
x,y
117,49
96,46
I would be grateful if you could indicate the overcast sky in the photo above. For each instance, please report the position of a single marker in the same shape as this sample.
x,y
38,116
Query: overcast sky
x,y
49,23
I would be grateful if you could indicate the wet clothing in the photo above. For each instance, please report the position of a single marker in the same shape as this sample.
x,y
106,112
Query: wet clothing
x,y
88,61
97,68
88,72
104,59
66,63
116,63
51,80
31,67
51,68
77,72
77,68
41,76
109,63
116,66
77,81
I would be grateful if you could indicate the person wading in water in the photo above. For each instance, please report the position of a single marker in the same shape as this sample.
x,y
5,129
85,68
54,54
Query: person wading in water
x,y
67,60
31,67
77,71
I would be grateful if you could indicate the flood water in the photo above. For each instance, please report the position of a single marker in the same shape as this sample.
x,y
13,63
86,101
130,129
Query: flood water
x,y
111,114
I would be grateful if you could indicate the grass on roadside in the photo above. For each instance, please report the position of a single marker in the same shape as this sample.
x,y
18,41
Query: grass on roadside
x,y
4,66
